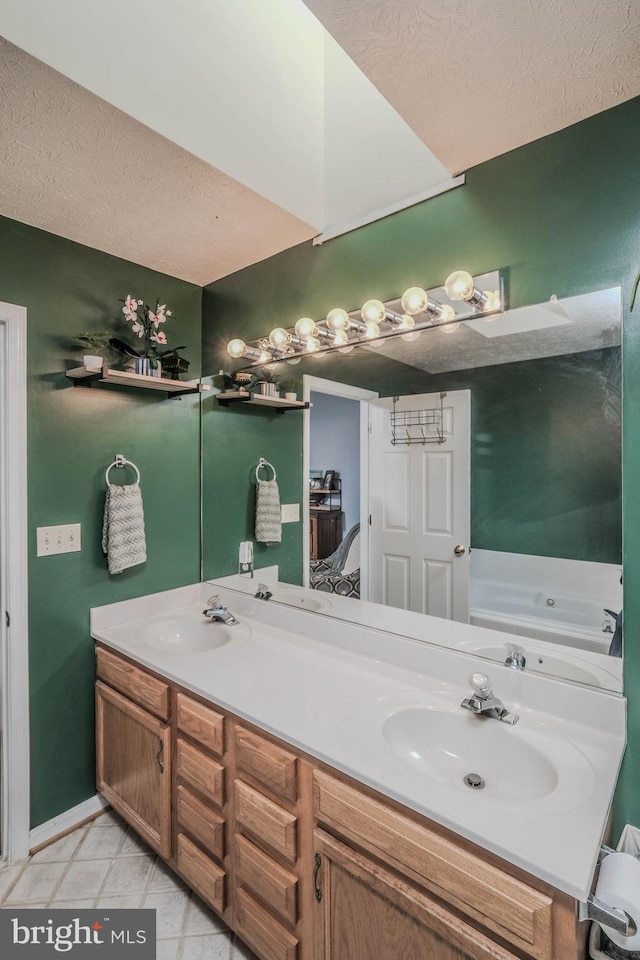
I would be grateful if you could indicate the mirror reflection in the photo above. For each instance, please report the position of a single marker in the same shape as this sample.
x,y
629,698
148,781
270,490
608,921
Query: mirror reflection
x,y
493,487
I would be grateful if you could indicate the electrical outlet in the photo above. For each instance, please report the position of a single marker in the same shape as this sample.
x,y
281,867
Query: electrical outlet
x,y
62,539
290,513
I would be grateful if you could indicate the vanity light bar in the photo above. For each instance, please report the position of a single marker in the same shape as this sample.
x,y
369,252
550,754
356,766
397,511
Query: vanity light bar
x,y
462,297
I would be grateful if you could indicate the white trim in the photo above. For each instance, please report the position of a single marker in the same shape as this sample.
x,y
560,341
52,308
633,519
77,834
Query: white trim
x,y
387,211
334,389
66,821
13,547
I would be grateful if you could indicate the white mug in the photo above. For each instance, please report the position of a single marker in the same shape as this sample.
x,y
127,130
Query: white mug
x,y
291,396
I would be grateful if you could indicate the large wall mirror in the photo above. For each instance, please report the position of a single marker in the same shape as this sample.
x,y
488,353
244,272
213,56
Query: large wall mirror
x,y
542,549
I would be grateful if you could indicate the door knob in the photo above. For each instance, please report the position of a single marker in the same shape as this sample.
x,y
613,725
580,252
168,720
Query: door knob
x,y
459,550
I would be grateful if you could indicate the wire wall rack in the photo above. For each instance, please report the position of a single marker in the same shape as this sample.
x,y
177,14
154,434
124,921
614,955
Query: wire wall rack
x,y
417,426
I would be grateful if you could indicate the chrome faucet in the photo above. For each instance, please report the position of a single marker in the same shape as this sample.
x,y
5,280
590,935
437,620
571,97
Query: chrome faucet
x,y
218,613
483,703
263,592
516,657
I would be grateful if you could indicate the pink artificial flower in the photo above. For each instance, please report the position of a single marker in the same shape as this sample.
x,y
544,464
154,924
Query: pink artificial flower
x,y
137,328
157,318
130,307
159,337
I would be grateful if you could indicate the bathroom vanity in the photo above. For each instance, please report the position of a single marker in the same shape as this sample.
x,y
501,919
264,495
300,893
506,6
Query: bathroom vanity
x,y
268,765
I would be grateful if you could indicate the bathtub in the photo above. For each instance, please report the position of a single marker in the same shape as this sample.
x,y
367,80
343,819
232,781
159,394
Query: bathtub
x,y
542,598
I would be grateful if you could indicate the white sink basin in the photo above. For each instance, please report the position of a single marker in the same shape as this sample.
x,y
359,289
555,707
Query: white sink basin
x,y
300,599
452,746
571,667
189,633
515,764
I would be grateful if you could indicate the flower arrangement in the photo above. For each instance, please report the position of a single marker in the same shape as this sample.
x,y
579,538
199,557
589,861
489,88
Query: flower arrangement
x,y
145,323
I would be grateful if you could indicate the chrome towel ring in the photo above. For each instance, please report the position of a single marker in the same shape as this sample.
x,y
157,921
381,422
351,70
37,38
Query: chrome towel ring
x,y
268,466
121,461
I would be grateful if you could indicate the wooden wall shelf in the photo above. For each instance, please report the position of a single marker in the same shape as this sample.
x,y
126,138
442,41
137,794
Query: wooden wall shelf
x,y
87,376
259,400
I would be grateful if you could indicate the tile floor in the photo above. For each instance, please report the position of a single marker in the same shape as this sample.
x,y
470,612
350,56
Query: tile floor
x,y
106,864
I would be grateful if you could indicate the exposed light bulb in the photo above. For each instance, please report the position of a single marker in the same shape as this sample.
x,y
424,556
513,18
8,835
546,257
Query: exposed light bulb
x,y
373,331
236,348
414,300
264,356
340,338
345,349
313,344
410,336
494,301
279,337
305,327
448,313
459,285
338,319
449,327
373,311
407,322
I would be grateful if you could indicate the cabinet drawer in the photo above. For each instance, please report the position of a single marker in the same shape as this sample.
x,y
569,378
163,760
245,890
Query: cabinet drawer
x,y
262,932
200,771
505,905
268,763
201,822
274,885
202,723
266,820
135,683
205,876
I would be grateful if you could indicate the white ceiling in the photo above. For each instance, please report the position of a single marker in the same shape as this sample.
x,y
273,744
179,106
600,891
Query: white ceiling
x,y
197,137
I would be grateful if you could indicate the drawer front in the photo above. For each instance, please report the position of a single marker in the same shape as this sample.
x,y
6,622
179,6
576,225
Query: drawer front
x,y
266,820
263,932
150,693
267,762
201,822
275,885
205,876
202,723
200,771
505,905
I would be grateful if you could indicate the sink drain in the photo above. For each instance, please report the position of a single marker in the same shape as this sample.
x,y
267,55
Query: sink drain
x,y
474,780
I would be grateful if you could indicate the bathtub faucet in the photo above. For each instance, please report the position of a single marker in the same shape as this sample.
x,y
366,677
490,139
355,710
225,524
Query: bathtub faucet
x,y
516,657
482,701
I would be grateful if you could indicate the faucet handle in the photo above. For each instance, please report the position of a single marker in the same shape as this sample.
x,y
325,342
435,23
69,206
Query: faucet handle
x,y
481,685
214,601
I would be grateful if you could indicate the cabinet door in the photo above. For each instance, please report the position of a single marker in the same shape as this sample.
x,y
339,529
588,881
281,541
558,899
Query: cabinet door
x,y
366,911
134,766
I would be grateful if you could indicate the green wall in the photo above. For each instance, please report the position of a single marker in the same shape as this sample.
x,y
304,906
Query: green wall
x,y
559,216
73,435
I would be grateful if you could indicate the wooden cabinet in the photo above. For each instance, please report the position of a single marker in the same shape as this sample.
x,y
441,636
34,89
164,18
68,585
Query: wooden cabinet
x,y
134,766
325,532
302,862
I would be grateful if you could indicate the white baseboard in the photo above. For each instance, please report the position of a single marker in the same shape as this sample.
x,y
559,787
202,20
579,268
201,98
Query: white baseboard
x,y
66,821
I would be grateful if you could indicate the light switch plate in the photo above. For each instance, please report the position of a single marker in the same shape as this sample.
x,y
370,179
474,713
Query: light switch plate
x,y
62,539
290,512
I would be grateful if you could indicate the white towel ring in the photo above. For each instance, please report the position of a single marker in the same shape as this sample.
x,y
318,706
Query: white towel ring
x,y
121,461
265,463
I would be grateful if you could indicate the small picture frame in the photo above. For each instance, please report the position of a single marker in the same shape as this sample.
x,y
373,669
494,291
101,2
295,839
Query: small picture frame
x,y
327,482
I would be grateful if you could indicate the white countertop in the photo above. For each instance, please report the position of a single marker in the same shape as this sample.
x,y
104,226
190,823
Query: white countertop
x,y
327,687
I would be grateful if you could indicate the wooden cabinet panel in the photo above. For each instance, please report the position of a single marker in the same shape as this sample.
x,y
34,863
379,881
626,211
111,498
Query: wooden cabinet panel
x,y
515,911
200,722
325,532
262,932
367,912
138,685
134,766
200,771
274,885
267,762
205,876
266,820
200,821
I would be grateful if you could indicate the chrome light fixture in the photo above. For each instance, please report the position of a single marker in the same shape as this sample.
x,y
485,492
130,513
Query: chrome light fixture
x,y
462,297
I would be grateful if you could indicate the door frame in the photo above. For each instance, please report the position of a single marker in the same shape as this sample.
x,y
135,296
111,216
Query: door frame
x,y
14,655
333,388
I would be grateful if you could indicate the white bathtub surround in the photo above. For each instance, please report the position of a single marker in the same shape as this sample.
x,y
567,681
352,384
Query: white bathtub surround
x,y
328,687
545,598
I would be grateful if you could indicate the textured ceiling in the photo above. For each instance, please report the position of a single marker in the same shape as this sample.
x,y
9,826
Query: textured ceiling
x,y
476,79
76,166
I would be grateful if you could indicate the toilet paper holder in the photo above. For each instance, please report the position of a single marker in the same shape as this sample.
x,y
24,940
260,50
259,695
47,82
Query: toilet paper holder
x,y
601,912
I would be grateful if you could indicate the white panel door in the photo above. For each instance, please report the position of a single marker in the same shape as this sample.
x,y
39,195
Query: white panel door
x,y
419,504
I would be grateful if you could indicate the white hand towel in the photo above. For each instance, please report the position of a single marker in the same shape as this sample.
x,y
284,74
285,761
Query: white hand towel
x,y
123,539
268,521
